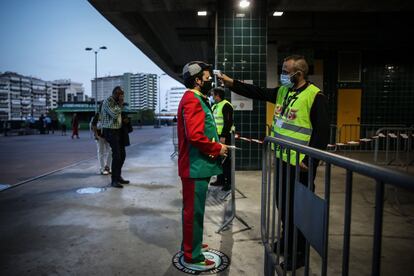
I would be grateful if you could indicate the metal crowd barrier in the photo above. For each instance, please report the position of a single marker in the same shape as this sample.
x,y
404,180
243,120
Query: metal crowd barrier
x,y
358,136
311,212
393,142
174,140
232,201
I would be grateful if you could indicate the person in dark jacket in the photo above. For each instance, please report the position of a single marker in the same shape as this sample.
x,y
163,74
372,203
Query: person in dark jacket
x,y
223,116
112,131
126,128
75,126
300,116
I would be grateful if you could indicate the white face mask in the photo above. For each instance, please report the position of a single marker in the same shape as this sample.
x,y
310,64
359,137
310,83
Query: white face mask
x,y
211,100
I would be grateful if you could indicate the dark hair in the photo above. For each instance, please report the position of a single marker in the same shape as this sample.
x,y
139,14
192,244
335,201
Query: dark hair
x,y
299,64
116,89
190,82
217,91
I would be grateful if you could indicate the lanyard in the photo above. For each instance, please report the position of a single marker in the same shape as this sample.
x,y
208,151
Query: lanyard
x,y
288,100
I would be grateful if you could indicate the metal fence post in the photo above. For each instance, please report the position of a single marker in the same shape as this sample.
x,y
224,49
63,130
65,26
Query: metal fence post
x,y
233,191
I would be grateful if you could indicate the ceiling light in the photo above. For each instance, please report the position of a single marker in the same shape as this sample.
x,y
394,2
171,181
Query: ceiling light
x,y
239,14
277,13
202,13
244,4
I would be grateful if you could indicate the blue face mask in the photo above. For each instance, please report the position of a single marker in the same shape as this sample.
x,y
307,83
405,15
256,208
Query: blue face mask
x,y
286,80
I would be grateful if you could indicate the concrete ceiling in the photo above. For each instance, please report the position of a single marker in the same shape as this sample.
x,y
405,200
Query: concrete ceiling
x,y
170,33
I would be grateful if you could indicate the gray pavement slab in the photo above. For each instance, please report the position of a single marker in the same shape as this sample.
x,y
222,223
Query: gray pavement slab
x,y
47,228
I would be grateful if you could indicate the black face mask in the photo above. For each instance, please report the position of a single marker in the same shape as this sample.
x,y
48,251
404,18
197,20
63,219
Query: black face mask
x,y
206,87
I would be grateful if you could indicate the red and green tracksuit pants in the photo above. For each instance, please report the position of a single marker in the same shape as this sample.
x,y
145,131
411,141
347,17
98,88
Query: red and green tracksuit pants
x,y
194,202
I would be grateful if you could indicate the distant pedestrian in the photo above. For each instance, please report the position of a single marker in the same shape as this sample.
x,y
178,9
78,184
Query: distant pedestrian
x,y
48,123
63,127
54,124
103,148
41,124
223,116
75,126
111,124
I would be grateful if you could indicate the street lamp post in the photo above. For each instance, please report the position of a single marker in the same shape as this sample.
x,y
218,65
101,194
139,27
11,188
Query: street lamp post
x,y
159,98
96,72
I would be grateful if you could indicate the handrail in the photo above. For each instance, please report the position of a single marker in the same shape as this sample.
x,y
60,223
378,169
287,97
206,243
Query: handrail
x,y
316,233
376,172
394,128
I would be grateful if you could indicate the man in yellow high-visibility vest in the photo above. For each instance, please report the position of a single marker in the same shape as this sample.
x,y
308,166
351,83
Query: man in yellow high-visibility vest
x,y
300,116
223,117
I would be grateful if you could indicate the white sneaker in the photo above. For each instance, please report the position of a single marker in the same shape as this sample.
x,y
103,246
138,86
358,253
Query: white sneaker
x,y
104,172
213,179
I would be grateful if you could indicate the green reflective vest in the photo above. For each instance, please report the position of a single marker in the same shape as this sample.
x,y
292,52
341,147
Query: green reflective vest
x,y
218,115
291,118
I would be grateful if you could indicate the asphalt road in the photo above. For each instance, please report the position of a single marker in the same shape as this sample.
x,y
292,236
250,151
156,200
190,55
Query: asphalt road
x,y
26,157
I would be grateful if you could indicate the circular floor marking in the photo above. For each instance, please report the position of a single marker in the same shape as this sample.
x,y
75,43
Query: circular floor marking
x,y
90,190
221,260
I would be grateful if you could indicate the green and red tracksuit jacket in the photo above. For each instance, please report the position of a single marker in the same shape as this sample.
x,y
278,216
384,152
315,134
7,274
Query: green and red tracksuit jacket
x,y
198,147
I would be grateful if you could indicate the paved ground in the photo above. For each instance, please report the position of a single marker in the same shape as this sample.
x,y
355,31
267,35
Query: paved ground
x,y
47,228
25,157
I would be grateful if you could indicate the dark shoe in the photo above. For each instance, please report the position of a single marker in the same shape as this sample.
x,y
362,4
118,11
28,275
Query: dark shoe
x,y
300,262
123,181
115,184
226,188
216,184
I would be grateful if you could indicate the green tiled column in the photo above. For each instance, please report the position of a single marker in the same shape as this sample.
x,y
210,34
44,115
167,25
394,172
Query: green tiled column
x,y
241,54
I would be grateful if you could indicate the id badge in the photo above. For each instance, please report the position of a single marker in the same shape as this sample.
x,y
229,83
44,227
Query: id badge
x,y
279,123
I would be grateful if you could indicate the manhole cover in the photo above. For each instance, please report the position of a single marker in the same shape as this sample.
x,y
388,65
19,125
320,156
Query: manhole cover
x,y
221,260
90,190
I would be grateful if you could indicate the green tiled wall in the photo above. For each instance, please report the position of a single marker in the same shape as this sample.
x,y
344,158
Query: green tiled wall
x,y
387,89
241,54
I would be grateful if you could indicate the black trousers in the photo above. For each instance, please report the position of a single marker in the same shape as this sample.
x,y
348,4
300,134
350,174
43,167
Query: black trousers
x,y
113,136
224,179
303,179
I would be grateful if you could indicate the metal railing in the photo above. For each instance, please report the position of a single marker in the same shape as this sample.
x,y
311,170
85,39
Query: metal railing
x,y
232,201
391,143
358,136
313,218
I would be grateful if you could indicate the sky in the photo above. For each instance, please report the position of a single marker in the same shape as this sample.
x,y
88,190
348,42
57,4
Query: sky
x,y
47,39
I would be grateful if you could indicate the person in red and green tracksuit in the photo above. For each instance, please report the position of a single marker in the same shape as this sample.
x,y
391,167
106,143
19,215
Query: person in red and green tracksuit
x,y
198,158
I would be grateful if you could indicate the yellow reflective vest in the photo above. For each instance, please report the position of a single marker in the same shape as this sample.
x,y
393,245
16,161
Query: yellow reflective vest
x,y
291,118
218,115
